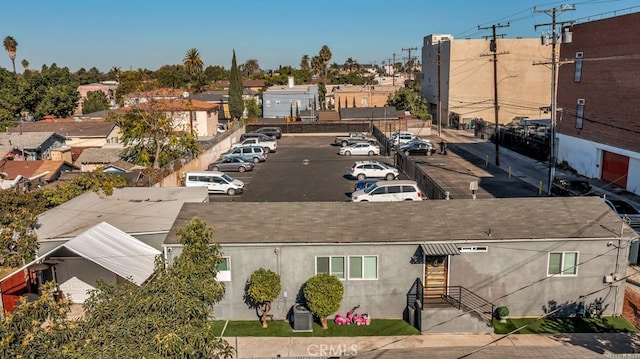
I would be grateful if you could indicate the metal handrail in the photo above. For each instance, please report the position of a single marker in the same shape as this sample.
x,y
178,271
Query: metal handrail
x,y
415,293
464,299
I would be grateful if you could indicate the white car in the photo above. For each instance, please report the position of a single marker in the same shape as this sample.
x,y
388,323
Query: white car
x,y
360,149
389,191
373,169
215,181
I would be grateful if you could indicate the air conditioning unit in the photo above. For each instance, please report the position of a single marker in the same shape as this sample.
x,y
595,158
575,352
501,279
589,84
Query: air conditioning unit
x,y
608,279
302,319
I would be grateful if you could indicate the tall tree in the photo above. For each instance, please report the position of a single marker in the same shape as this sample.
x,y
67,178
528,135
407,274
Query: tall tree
x,y
304,63
236,105
322,95
150,137
193,65
325,56
25,64
316,65
50,91
11,45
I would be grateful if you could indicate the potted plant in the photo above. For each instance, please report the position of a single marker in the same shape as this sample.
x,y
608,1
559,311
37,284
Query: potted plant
x,y
502,313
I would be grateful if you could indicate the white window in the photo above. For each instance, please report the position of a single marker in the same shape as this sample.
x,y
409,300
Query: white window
x,y
224,270
563,264
277,103
331,265
364,101
268,103
473,249
363,267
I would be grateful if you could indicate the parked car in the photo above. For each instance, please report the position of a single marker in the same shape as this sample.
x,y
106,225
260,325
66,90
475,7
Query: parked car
x,y
354,137
362,184
625,210
419,148
566,187
231,164
402,139
389,191
360,149
273,132
215,181
268,145
415,140
372,169
261,136
254,154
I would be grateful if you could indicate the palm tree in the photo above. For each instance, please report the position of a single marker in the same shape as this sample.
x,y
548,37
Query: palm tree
x,y
192,61
11,45
325,56
316,65
304,63
25,64
115,71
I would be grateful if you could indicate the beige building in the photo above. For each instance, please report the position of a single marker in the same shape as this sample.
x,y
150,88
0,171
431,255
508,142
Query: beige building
x,y
363,96
462,73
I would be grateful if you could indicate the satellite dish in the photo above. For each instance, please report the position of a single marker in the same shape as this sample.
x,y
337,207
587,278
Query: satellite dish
x,y
185,94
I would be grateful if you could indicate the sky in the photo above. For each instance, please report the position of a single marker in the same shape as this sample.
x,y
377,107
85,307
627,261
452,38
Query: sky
x,y
133,34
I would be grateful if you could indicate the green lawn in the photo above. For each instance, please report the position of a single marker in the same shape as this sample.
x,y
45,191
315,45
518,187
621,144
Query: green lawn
x,y
278,328
566,325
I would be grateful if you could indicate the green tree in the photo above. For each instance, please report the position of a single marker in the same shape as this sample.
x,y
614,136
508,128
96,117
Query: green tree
x,y
11,45
322,95
38,328
166,317
10,99
250,68
193,62
215,73
325,57
95,101
150,137
172,76
410,99
262,288
323,294
236,105
253,110
94,181
18,221
135,81
25,64
50,91
316,65
304,63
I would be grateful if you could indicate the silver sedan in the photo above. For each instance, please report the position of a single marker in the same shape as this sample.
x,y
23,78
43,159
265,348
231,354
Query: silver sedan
x,y
231,164
360,149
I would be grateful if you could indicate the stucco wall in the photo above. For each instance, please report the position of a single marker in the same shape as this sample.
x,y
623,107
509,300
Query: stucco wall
x,y
509,273
515,274
585,157
381,298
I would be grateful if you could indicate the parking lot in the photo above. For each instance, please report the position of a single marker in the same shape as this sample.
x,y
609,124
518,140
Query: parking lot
x,y
304,169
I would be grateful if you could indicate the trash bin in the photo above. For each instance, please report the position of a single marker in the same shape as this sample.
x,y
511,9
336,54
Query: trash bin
x,y
302,319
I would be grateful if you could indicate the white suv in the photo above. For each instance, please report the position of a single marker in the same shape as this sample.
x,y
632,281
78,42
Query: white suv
x,y
389,191
372,169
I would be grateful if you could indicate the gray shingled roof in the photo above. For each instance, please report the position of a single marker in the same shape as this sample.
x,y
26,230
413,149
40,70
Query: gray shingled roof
x,y
100,155
76,129
455,220
25,139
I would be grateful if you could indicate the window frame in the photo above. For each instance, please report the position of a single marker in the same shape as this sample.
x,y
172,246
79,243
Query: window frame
x,y
562,260
331,272
473,249
362,257
224,276
577,68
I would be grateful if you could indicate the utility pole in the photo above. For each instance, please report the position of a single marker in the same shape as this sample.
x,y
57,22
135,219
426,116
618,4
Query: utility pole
x,y
409,64
494,48
393,68
554,71
439,98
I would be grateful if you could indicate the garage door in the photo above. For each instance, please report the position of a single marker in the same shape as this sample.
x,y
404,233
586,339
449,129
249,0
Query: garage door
x,y
615,169
78,275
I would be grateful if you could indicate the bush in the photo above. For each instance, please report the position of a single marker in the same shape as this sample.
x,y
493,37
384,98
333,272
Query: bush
x,y
323,294
502,312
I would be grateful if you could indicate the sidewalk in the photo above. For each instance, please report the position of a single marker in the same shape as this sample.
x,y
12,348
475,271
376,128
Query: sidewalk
x,y
527,345
527,169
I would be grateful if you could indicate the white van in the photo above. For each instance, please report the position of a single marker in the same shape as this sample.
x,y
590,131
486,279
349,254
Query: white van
x,y
216,182
389,191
